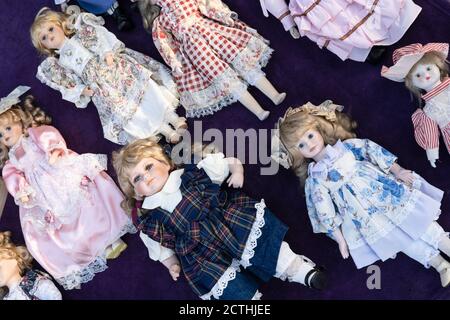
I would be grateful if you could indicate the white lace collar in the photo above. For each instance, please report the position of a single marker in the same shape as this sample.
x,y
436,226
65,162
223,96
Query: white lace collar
x,y
169,196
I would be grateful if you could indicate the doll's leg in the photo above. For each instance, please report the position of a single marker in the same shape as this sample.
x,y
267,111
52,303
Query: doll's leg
x,y
425,251
298,268
169,133
175,120
268,89
251,104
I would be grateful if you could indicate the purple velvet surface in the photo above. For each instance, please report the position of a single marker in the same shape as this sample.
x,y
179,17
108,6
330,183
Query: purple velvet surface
x,y
306,73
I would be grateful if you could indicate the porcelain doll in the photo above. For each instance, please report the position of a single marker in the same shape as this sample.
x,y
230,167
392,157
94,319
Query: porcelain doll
x,y
214,56
134,94
425,73
224,240
102,7
69,207
351,29
357,193
17,280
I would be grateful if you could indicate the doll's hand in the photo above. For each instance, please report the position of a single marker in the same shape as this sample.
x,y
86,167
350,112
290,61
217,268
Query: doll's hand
x,y
229,21
174,271
24,199
236,179
294,33
54,155
343,248
406,176
88,92
433,163
109,59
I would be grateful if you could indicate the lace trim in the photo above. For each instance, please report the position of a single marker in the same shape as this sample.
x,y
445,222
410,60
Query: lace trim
x,y
209,97
255,233
25,191
76,278
222,283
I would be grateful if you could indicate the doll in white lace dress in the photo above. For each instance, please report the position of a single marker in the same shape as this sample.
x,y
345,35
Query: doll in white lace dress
x,y
17,280
134,94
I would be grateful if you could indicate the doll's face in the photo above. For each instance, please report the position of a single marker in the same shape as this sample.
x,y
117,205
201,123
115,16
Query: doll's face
x,y
310,143
8,271
425,76
149,176
10,133
51,36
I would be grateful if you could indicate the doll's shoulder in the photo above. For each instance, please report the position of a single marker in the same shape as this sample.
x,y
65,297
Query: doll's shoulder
x,y
86,19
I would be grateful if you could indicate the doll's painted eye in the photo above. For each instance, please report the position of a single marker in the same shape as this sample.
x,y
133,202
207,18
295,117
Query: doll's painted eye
x,y
1,135
301,145
44,38
8,128
417,75
149,167
310,136
137,179
428,68
50,29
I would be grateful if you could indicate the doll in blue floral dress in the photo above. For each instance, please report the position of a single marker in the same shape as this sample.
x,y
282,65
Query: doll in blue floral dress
x,y
356,192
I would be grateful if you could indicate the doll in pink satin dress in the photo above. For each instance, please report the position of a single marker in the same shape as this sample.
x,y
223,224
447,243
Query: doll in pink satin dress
x,y
69,207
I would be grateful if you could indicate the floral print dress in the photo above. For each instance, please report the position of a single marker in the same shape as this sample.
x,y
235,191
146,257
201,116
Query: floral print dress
x,y
351,188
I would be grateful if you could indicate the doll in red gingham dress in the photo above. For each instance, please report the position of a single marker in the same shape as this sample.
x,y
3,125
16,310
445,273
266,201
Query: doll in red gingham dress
x,y
213,55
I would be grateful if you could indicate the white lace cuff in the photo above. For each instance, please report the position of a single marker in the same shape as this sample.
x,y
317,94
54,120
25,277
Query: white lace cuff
x,y
26,191
432,154
215,166
75,95
156,251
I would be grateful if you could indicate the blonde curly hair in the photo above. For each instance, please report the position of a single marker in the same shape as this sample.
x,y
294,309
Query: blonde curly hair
x,y
8,250
27,114
46,15
296,124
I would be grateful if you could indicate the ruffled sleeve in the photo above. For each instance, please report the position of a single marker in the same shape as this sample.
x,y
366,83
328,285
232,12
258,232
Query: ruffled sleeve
x,y
321,209
215,166
48,139
167,45
217,10
426,132
156,251
156,231
95,37
65,81
17,185
367,150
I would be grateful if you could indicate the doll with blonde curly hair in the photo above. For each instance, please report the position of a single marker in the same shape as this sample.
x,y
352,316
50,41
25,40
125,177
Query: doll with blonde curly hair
x,y
17,280
69,207
224,240
357,194
134,94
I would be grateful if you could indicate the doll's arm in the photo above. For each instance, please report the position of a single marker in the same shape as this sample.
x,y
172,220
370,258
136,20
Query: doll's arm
x,y
97,38
339,238
218,168
367,150
165,255
217,10
167,47
426,132
280,10
321,208
50,141
65,81
17,185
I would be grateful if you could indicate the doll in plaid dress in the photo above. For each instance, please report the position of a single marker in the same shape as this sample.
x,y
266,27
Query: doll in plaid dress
x,y
213,55
225,241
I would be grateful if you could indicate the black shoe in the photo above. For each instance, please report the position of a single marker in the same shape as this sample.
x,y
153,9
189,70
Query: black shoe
x,y
375,54
122,21
316,278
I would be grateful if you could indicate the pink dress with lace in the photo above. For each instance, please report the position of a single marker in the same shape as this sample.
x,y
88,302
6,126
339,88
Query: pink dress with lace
x,y
73,210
